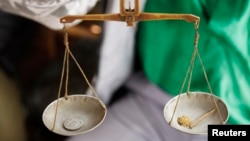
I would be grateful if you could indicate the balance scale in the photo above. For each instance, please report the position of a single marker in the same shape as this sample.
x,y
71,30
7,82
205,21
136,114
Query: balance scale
x,y
188,112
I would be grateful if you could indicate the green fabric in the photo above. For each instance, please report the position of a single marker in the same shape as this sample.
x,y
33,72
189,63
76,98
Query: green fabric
x,y
165,49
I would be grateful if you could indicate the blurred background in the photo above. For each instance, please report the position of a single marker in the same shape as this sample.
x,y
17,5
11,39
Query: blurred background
x,y
32,56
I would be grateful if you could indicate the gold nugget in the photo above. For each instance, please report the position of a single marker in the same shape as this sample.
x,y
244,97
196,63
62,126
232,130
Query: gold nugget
x,y
184,121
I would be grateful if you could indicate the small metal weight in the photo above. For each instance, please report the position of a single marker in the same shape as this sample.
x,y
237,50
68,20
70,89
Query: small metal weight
x,y
74,115
197,109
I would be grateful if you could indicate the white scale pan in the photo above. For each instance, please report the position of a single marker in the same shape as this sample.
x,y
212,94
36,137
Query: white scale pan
x,y
75,115
195,111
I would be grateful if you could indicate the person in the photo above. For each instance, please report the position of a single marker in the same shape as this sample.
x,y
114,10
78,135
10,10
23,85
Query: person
x,y
150,80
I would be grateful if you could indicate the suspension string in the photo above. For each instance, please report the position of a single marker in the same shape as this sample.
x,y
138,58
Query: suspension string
x,y
204,72
191,72
190,68
196,39
66,43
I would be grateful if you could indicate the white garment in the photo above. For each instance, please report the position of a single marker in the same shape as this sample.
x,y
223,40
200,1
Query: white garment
x,y
47,12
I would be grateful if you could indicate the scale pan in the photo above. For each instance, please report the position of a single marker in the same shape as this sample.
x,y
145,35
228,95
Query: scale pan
x,y
75,115
191,108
